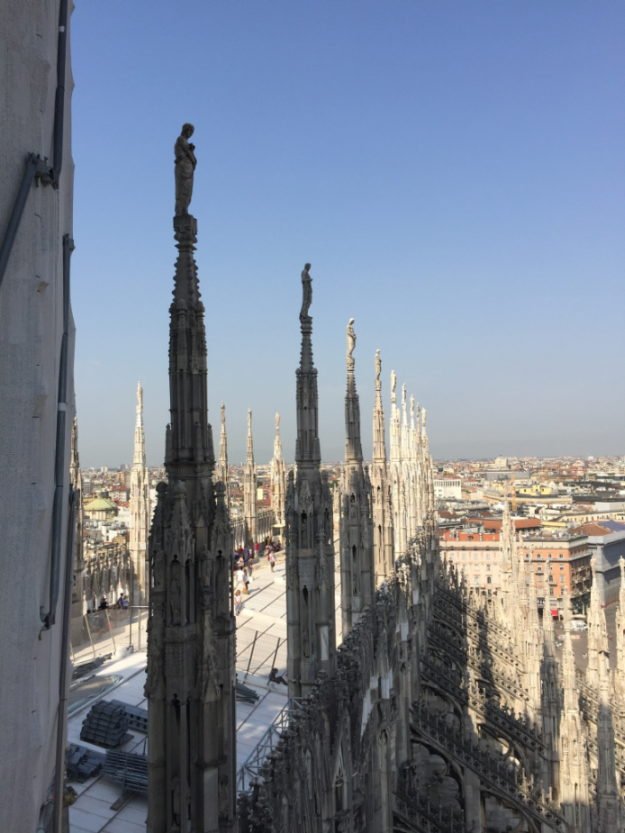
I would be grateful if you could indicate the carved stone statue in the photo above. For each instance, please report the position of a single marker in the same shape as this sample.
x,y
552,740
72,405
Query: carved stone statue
x,y
210,689
184,153
174,593
154,684
351,342
306,292
378,368
393,385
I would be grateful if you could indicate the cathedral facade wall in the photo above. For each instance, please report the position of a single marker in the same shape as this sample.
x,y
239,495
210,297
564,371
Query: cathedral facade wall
x,y
36,405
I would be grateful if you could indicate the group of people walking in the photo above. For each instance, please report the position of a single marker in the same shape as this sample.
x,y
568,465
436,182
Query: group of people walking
x,y
244,561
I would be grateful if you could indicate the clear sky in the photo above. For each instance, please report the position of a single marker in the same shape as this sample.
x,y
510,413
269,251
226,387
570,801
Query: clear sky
x,y
454,171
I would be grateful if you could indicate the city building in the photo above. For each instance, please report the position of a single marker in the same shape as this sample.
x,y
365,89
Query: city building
x,y
606,541
560,562
448,488
100,508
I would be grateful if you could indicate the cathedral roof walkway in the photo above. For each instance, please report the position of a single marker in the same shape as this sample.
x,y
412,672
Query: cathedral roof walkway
x,y
102,806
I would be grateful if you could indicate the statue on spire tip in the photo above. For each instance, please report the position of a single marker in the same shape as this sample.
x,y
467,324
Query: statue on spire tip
x,y
184,152
306,292
351,343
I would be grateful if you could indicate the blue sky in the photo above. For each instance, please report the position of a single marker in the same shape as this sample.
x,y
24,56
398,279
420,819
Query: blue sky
x,y
454,171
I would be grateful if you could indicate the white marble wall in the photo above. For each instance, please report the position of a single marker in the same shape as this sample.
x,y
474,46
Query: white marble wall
x,y
31,306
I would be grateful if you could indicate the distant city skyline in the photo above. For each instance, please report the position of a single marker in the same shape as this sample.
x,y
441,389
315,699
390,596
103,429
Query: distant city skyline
x,y
454,174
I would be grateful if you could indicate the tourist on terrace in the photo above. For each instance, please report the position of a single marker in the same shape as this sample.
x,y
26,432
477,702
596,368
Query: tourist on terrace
x,y
274,677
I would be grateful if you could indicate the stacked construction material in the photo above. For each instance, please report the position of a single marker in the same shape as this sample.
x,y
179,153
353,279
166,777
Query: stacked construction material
x,y
127,769
137,717
106,725
86,668
82,763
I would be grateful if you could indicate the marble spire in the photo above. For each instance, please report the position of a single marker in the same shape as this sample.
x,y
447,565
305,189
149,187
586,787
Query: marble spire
x,y
609,803
221,470
381,505
533,651
191,680
597,631
502,601
619,670
311,630
429,503
307,449
598,677
399,524
139,506
379,435
570,690
249,488
278,480
573,791
411,471
404,435
404,471
550,703
357,579
353,446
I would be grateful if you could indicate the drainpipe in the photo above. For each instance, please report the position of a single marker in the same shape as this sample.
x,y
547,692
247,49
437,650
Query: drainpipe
x,y
59,99
34,166
61,722
60,474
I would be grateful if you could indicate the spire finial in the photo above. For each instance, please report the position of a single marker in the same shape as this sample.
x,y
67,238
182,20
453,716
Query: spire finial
x,y
185,162
307,443
250,439
351,344
378,370
306,293
353,447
